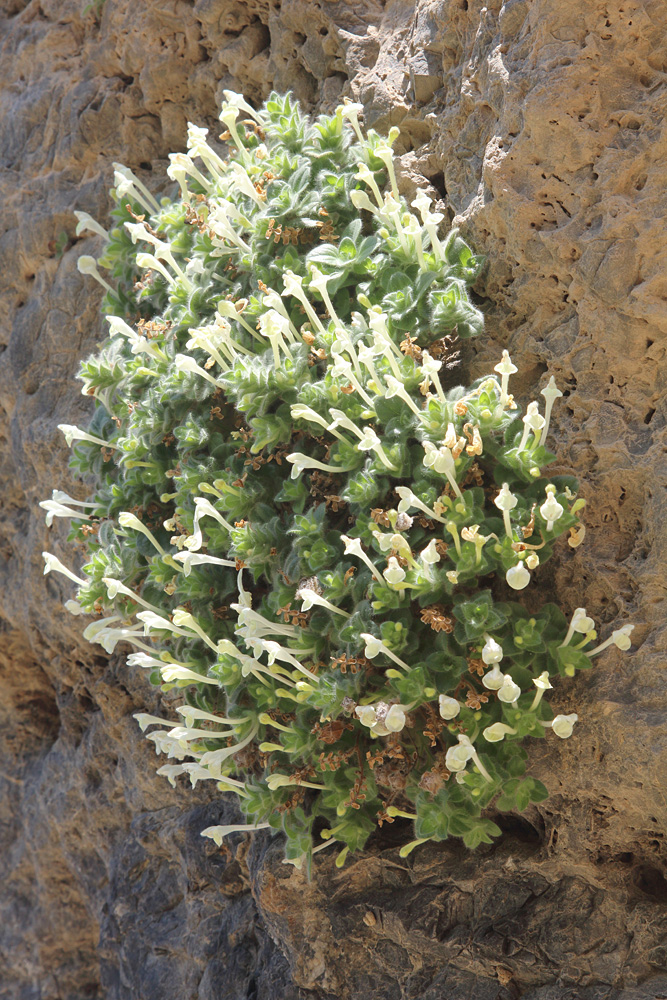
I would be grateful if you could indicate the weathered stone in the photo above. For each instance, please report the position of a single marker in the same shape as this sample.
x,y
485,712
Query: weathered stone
x,y
540,126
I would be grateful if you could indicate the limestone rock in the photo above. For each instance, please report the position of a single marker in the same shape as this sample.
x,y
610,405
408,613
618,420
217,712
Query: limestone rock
x,y
540,127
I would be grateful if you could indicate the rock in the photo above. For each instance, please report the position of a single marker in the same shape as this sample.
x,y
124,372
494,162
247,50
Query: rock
x,y
539,125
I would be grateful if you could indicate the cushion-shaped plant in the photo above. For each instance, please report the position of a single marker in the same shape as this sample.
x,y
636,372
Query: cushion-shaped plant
x,y
297,523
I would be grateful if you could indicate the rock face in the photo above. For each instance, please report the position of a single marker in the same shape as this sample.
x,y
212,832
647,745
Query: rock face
x,y
541,126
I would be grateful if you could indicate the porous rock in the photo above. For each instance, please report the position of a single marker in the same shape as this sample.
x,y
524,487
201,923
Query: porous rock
x,y
540,126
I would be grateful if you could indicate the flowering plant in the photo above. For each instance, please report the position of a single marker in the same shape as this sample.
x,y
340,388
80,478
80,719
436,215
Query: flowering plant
x,y
298,523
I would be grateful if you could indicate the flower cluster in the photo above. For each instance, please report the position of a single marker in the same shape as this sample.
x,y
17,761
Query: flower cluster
x,y
298,523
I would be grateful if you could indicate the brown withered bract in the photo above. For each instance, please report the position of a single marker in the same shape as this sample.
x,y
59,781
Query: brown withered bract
x,y
435,615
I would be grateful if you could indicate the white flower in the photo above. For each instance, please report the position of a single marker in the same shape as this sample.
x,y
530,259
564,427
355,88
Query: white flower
x,y
55,509
127,519
293,284
311,597
505,499
394,574
350,110
86,223
184,363
216,833
551,510
175,672
581,622
366,715
421,202
518,576
409,500
53,564
362,202
190,559
300,462
365,174
72,433
448,707
146,720
282,780
509,692
353,547
172,771
457,757
532,421
430,368
430,554
563,725
551,392
492,651
505,368
369,441
542,682
396,388
239,102
494,679
497,732
442,461
149,262
374,646
394,720
621,637
88,265
533,418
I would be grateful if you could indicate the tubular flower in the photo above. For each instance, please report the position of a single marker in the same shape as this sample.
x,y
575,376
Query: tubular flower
x,y
580,623
505,368
551,393
448,707
532,421
506,501
441,460
509,692
563,725
620,638
551,510
494,679
497,732
492,651
518,577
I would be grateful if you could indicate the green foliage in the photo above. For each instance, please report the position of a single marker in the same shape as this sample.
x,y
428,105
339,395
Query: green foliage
x,y
295,523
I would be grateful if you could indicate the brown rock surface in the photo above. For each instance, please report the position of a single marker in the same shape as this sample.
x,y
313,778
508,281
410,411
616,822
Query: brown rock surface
x,y
541,125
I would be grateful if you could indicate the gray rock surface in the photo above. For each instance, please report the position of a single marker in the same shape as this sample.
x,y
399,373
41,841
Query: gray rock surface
x,y
540,123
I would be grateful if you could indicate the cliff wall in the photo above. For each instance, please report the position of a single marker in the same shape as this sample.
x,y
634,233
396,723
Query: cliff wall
x,y
540,124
